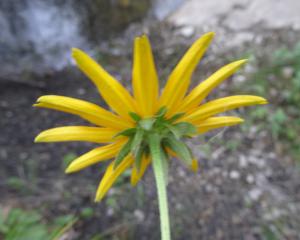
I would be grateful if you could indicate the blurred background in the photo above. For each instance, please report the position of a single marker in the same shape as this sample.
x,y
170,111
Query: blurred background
x,y
248,186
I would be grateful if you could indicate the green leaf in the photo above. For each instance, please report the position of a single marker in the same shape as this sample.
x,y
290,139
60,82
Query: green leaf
x,y
63,220
147,123
279,116
180,149
123,153
23,225
127,132
68,158
16,183
87,212
2,220
269,233
134,116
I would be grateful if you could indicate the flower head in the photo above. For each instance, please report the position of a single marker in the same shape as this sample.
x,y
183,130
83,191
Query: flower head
x,y
135,120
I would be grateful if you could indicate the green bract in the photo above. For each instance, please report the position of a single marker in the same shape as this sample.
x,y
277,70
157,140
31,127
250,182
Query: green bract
x,y
169,132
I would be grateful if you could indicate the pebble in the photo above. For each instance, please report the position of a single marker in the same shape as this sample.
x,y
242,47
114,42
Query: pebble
x,y
243,161
287,72
3,153
139,215
110,212
255,194
239,79
187,31
234,174
81,91
250,179
259,162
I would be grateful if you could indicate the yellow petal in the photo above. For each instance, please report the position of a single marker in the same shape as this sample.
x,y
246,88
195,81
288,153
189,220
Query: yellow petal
x,y
204,88
221,105
77,133
217,122
171,152
136,174
86,110
195,165
179,79
144,77
116,96
111,176
96,155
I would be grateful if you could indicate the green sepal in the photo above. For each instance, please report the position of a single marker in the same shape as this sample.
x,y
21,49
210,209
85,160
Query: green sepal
x,y
185,128
127,132
123,153
161,112
147,123
174,130
175,117
134,116
181,129
138,157
137,139
180,149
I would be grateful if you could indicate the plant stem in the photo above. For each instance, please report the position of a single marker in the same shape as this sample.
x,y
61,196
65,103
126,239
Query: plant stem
x,y
161,185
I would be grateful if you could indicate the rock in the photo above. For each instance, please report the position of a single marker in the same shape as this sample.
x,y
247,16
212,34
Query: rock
x,y
237,18
37,35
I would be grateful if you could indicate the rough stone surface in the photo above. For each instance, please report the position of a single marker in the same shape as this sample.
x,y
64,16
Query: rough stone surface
x,y
242,20
239,14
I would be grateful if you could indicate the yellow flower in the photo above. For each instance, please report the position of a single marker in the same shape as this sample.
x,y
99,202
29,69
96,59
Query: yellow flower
x,y
173,115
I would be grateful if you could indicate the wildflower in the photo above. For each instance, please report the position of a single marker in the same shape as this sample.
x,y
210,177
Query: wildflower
x,y
146,128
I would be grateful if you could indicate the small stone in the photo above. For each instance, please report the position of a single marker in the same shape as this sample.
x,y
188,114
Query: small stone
x,y
250,179
239,79
110,212
139,215
287,72
234,174
9,114
169,51
255,194
208,188
243,161
3,104
81,91
116,51
23,155
178,206
3,154
187,31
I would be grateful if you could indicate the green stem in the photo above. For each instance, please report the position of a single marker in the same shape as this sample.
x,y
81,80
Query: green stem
x,y
161,185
